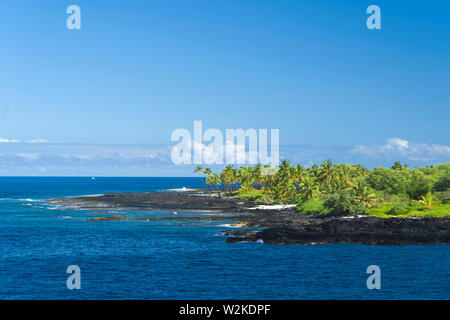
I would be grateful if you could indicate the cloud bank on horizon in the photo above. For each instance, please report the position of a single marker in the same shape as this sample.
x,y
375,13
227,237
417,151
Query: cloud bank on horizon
x,y
39,157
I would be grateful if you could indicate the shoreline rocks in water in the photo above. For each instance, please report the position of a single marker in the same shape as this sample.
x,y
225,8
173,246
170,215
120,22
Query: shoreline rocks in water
x,y
280,226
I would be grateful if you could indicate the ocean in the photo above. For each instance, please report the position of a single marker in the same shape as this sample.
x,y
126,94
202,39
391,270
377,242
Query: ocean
x,y
189,260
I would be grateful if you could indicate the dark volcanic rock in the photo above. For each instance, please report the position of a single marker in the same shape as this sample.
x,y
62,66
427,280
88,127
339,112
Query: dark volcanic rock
x,y
159,200
368,230
241,233
180,219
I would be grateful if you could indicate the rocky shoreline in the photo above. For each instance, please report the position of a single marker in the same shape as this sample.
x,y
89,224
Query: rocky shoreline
x,y
280,226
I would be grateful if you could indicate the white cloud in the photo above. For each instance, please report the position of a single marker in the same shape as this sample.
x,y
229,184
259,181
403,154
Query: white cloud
x,y
209,155
37,141
3,140
28,156
397,143
141,160
404,150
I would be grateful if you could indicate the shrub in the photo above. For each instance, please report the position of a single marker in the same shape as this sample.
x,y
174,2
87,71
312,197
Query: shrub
x,y
343,203
443,184
313,206
429,200
417,188
399,208
443,196
357,209
380,210
391,181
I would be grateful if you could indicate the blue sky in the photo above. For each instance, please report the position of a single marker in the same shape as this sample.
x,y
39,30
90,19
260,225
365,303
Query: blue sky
x,y
137,70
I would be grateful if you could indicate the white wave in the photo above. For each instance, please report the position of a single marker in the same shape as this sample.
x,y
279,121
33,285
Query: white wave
x,y
231,225
19,199
8,199
183,189
273,207
92,195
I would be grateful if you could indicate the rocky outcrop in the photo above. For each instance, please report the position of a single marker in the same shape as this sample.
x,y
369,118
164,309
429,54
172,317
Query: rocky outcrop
x,y
367,230
279,226
157,200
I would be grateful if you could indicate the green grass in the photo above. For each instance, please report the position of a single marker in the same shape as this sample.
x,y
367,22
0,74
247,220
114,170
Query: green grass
x,y
250,194
381,210
312,207
384,211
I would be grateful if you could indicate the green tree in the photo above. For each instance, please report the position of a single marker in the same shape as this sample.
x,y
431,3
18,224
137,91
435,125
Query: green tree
x,y
229,178
199,170
308,189
364,195
390,181
327,176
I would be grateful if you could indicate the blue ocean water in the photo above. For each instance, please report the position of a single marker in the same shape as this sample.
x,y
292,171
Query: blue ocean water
x,y
167,260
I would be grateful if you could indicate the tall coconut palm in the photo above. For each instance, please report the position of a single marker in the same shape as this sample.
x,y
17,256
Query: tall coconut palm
x,y
286,179
343,174
314,170
228,177
200,172
208,173
245,177
256,175
363,194
308,189
300,172
327,172
214,181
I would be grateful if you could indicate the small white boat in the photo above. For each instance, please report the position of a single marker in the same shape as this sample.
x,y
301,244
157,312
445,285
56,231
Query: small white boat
x,y
92,178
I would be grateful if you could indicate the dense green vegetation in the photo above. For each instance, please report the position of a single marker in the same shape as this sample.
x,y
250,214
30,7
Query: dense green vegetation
x,y
341,189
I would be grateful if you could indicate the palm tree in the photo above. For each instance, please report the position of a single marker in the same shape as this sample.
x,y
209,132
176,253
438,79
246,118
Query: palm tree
x,y
286,179
268,177
364,195
327,172
308,189
208,173
200,172
214,180
428,200
256,175
299,174
314,170
343,174
228,177
361,171
245,177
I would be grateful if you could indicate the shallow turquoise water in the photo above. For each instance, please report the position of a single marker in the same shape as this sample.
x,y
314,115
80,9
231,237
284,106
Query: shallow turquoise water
x,y
166,260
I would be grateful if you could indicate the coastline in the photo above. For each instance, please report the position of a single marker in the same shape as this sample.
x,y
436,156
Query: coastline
x,y
280,224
